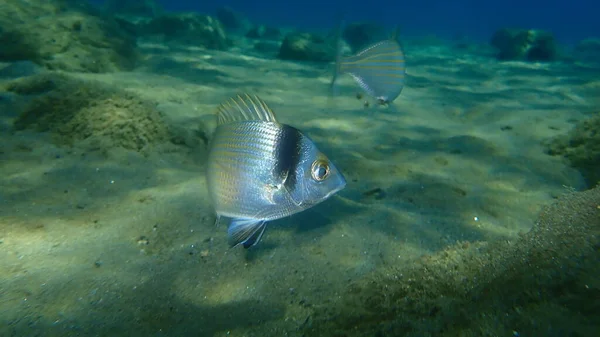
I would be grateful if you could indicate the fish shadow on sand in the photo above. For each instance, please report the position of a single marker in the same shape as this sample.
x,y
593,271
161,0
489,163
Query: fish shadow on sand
x,y
420,210
303,227
382,179
322,217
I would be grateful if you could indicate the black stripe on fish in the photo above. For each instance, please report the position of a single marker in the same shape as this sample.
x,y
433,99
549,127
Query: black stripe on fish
x,y
287,154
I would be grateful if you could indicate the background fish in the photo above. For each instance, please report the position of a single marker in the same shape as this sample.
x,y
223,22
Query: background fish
x,y
261,170
378,69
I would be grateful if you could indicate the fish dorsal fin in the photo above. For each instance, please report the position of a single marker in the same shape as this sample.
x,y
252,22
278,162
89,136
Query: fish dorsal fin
x,y
395,34
244,108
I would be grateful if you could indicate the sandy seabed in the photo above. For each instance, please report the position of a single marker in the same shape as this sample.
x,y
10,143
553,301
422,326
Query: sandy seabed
x,y
122,243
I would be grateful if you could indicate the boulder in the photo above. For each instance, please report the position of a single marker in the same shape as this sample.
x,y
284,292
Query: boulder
x,y
588,50
524,45
360,35
232,20
306,47
264,32
187,28
143,8
62,36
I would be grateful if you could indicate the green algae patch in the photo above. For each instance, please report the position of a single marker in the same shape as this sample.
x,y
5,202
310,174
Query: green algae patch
x,y
581,147
64,35
542,284
78,112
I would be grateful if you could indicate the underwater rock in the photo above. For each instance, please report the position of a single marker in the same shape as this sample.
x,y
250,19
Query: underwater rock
x,y
524,45
359,35
232,20
264,32
581,147
588,50
188,28
88,114
543,283
306,47
144,8
59,36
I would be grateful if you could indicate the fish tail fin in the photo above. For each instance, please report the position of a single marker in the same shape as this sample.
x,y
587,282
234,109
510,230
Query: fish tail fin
x,y
247,232
339,44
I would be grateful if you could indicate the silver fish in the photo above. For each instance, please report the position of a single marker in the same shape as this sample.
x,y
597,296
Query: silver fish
x,y
378,69
260,170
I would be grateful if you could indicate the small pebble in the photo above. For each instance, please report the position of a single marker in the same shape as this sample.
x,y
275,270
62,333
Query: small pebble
x,y
377,193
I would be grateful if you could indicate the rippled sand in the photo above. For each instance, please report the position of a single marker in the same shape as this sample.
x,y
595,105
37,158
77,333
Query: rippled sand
x,y
119,243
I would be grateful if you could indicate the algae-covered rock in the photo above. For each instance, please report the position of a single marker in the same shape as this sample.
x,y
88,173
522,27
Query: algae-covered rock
x,y
544,283
306,47
188,28
233,20
588,50
360,34
524,45
88,114
581,147
264,32
62,36
147,8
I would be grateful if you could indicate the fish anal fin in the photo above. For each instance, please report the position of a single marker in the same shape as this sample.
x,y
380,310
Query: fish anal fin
x,y
244,107
246,232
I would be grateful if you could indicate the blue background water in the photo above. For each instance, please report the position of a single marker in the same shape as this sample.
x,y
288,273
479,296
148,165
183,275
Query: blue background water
x,y
570,21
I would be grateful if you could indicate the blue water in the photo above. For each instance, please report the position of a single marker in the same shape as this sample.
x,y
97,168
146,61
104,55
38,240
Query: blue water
x,y
570,21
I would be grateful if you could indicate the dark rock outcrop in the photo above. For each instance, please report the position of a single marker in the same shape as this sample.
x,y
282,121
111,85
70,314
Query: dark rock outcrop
x,y
264,32
524,45
232,20
187,28
62,36
144,8
588,50
306,47
359,35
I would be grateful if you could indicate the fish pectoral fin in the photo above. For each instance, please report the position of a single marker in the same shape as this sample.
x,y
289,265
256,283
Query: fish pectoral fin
x,y
247,232
296,196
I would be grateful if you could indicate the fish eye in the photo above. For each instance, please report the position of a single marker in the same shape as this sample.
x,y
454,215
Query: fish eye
x,y
320,170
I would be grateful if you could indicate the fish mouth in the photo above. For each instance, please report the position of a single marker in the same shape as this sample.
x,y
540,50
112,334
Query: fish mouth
x,y
310,203
340,187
